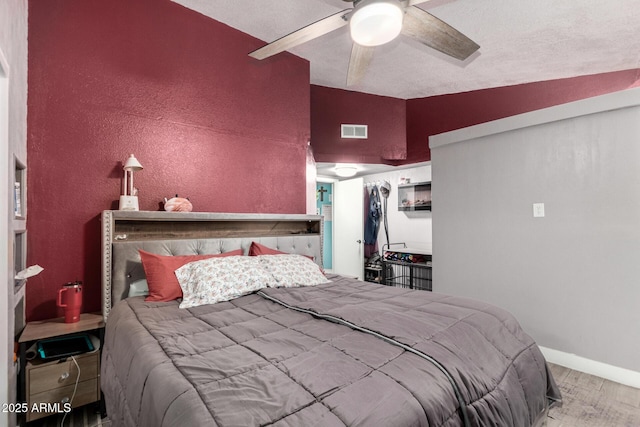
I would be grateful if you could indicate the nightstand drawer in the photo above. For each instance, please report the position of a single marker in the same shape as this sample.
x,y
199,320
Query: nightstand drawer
x,y
52,375
49,383
87,392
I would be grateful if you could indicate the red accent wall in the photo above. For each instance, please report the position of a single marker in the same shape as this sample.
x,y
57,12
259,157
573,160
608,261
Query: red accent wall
x,y
384,116
399,130
177,89
438,114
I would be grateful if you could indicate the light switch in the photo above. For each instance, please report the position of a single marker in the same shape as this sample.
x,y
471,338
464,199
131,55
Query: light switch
x,y
538,210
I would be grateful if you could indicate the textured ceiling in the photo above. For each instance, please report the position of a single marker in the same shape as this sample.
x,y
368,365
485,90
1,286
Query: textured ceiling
x,y
519,42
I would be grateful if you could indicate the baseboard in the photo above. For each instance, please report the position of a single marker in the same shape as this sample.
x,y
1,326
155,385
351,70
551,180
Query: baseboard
x,y
592,367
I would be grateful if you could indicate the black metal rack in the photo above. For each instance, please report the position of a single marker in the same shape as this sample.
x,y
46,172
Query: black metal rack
x,y
406,268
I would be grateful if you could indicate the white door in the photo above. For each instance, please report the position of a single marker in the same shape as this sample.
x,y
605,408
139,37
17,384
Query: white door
x,y
348,228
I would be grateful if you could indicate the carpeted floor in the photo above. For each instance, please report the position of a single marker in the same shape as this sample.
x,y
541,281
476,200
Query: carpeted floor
x,y
85,416
590,401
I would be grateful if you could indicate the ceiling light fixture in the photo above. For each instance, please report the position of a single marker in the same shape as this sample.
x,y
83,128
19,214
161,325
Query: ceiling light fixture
x,y
345,170
376,22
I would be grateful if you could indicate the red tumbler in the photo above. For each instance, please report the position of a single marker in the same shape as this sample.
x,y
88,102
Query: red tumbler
x,y
71,294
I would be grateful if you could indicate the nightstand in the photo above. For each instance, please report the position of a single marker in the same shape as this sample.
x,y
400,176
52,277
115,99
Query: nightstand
x,y
50,382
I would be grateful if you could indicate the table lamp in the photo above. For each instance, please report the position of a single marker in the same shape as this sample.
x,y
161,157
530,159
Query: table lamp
x,y
129,197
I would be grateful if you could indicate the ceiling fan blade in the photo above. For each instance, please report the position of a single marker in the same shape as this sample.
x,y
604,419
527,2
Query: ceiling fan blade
x,y
414,2
439,35
304,34
358,63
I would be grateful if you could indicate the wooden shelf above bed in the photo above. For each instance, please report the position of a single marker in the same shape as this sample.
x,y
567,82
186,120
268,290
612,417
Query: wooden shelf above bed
x,y
149,225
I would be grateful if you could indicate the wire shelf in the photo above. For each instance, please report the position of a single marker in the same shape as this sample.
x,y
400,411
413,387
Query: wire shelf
x,y
405,269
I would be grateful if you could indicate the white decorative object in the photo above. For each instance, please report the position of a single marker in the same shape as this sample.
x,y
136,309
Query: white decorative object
x,y
129,197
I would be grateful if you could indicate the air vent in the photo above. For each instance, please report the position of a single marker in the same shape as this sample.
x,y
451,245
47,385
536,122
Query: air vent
x,y
354,131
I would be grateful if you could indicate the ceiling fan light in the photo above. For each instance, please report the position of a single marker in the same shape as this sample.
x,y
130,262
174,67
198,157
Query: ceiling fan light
x,y
376,23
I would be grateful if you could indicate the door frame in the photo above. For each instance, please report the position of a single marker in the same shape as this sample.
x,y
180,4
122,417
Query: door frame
x,y
6,259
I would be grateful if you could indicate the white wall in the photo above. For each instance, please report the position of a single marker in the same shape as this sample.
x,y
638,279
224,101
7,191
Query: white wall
x,y
4,234
572,278
13,47
412,228
311,176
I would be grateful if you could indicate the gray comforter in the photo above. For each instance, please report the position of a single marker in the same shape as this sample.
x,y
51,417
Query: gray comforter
x,y
251,361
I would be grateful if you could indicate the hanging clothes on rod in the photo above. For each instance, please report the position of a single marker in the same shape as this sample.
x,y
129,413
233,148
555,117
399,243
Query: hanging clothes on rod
x,y
372,221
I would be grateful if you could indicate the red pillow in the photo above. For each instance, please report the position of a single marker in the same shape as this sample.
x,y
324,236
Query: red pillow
x,y
161,279
257,249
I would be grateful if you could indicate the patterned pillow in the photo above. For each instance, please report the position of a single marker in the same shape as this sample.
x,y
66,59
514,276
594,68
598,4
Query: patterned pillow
x,y
292,270
221,279
158,269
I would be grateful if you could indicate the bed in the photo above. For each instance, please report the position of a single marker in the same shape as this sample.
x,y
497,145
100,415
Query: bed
x,y
342,352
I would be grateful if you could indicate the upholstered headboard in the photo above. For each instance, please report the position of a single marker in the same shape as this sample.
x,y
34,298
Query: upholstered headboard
x,y
170,233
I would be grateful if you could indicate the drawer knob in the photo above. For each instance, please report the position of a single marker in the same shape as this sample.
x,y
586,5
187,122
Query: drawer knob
x,y
65,400
64,376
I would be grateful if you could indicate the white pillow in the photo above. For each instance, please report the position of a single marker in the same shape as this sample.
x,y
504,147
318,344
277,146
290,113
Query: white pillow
x,y
293,270
221,279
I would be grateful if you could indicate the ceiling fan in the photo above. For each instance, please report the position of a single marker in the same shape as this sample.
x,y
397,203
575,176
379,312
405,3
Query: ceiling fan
x,y
374,23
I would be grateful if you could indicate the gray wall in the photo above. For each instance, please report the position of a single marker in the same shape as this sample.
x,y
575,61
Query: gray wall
x,y
572,278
